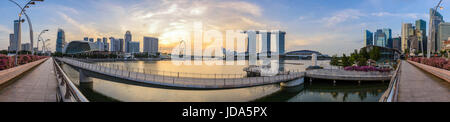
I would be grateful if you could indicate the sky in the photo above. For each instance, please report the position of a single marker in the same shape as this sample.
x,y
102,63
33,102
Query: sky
x,y
328,26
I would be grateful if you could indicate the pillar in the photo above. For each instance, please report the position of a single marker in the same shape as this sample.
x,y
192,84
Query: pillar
x,y
84,78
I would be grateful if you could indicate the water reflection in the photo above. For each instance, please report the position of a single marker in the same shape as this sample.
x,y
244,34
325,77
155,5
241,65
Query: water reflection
x,y
109,89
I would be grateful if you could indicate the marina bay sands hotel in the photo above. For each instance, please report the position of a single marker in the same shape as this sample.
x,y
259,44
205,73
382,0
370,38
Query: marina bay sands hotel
x,y
265,40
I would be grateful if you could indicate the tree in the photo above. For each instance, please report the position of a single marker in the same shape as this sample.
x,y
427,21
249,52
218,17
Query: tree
x,y
363,53
334,61
345,61
362,61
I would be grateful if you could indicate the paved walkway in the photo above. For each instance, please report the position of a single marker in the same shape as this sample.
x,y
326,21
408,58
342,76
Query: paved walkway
x,y
38,85
419,86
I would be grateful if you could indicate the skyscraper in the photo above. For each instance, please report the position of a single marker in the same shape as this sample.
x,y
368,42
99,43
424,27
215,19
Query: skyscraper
x,y
60,41
11,42
113,44
434,30
122,45
388,37
444,34
134,47
380,38
265,44
17,36
151,45
407,30
421,33
105,44
368,38
280,41
128,39
397,43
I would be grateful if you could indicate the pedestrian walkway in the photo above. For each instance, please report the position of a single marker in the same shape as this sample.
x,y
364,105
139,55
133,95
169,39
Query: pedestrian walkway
x,y
38,85
419,86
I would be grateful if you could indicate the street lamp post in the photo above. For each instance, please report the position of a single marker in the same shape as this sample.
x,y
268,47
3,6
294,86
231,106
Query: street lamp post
x,y
39,38
31,2
432,29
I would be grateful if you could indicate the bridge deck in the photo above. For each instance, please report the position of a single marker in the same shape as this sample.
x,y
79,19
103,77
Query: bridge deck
x,y
418,86
38,85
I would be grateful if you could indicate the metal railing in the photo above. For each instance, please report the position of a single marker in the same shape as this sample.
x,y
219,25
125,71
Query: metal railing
x,y
68,92
343,73
187,82
390,95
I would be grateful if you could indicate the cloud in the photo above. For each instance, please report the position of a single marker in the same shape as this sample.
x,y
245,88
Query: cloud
x,y
403,15
342,16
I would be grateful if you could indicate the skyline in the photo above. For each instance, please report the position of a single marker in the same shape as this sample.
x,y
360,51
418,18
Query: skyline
x,y
330,27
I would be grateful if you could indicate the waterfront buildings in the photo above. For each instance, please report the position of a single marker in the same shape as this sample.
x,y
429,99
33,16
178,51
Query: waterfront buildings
x,y
266,41
121,45
434,30
368,38
11,42
397,43
421,33
115,44
75,47
151,45
134,47
380,38
305,55
105,44
386,54
444,34
60,41
25,47
407,31
91,39
128,38
100,45
86,39
16,45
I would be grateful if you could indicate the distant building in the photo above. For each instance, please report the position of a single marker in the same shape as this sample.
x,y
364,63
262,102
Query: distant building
x,y
86,39
407,30
380,38
128,38
75,47
11,42
305,54
397,43
151,45
421,33
26,47
368,38
115,44
105,44
134,47
122,45
91,39
100,45
16,45
388,37
444,34
60,41
437,19
386,54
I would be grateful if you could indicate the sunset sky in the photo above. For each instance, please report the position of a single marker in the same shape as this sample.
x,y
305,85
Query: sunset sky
x,y
328,26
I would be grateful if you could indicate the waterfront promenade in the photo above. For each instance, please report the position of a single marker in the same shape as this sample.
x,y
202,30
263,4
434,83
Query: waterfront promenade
x,y
37,85
416,85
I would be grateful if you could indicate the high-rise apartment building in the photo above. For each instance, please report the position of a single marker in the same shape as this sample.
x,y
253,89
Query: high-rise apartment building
x,y
407,31
368,38
434,30
128,39
444,34
151,45
60,41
